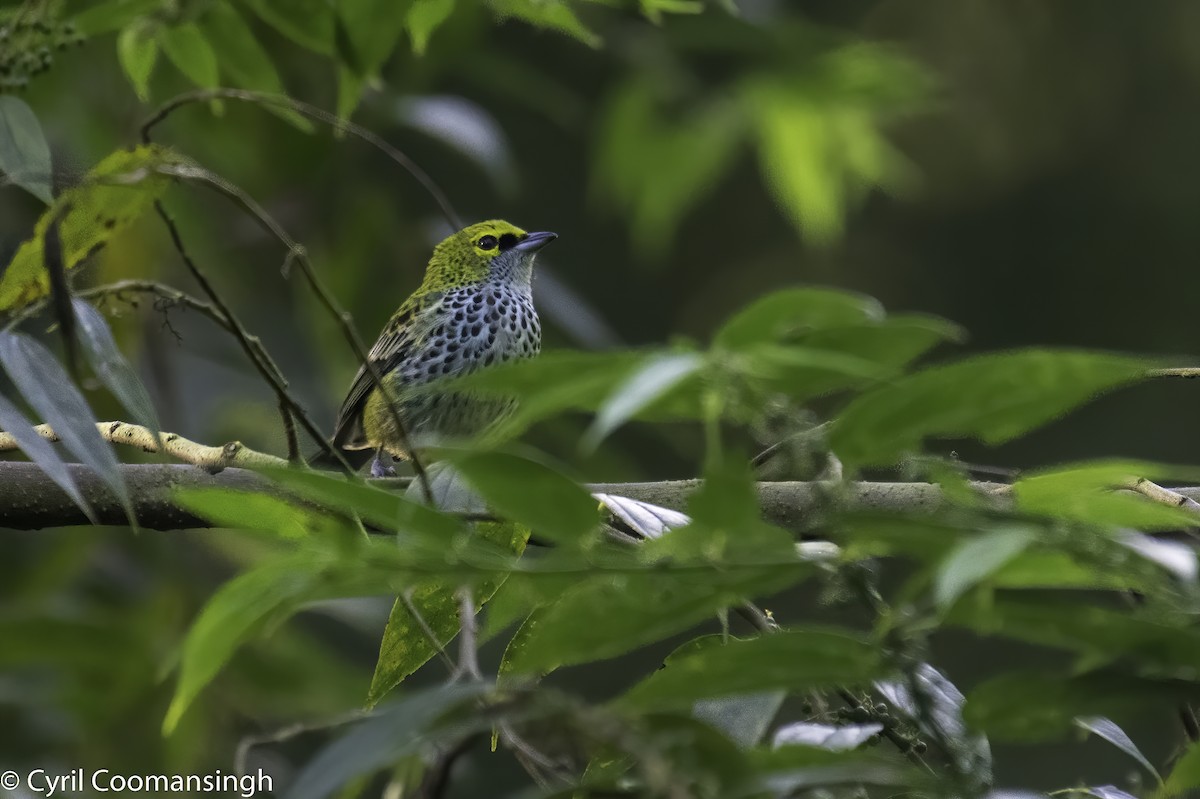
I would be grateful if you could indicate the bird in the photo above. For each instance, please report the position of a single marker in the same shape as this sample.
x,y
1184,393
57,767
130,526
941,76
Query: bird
x,y
473,310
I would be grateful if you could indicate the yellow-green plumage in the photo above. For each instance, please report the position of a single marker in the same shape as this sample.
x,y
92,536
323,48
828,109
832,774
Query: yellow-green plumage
x,y
473,310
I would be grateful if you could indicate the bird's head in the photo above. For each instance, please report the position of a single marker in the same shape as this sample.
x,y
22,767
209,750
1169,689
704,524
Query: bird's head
x,y
486,251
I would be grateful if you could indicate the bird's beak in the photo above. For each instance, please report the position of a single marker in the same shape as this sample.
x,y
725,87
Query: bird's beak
x,y
535,241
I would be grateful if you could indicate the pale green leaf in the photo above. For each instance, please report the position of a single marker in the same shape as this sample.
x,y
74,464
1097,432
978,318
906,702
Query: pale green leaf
x,y
24,154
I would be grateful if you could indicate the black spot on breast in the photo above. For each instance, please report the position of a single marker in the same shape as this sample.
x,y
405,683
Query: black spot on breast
x,y
459,316
476,329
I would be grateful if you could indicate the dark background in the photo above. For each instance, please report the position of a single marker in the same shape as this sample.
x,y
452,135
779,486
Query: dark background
x,y
1052,160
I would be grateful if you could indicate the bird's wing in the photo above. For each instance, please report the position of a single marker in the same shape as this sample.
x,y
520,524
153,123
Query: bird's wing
x,y
403,332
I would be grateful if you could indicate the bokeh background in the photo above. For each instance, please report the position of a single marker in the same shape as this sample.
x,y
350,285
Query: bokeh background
x,y
1025,169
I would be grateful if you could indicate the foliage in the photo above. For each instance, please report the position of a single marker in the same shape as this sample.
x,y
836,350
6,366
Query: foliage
x,y
687,689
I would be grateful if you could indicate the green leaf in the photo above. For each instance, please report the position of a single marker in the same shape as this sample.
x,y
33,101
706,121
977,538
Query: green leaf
x,y
1033,707
553,16
243,60
551,383
976,559
795,661
523,490
241,607
1087,492
820,142
656,163
41,452
386,509
24,154
189,50
1185,775
894,341
373,27
607,615
366,34
115,193
424,17
1077,624
1109,731
992,397
111,367
406,646
47,387
786,315
406,727
308,23
137,50
657,376
113,15
744,719
249,510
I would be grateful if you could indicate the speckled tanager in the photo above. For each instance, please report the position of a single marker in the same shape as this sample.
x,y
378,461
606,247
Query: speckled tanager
x,y
473,310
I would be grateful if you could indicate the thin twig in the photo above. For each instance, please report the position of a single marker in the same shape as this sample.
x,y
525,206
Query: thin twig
x,y
273,378
296,253
468,654
312,112
1163,496
287,733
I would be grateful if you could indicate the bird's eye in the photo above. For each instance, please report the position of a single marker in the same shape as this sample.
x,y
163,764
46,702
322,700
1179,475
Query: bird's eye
x,y
486,243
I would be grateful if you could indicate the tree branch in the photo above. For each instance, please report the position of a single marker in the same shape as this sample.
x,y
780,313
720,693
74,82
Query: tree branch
x,y
29,500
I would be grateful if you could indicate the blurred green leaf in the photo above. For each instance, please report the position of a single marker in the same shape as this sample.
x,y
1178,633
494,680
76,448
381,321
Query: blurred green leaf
x,y
744,719
976,559
367,33
24,154
1109,731
48,388
115,193
556,16
373,27
387,509
820,143
553,382
1185,774
41,452
1096,633
248,510
308,23
238,610
111,367
656,166
137,49
1034,707
554,507
993,397
425,17
191,53
1087,492
243,59
795,660
383,738
789,314
658,375
607,615
893,342
112,15
406,646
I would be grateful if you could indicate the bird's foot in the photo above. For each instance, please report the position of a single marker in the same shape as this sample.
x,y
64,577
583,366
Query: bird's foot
x,y
382,466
